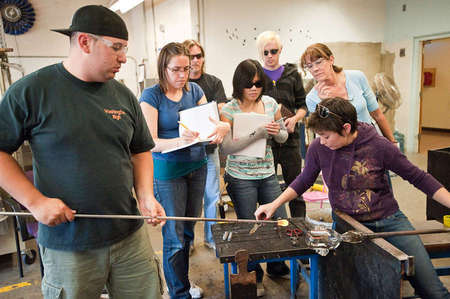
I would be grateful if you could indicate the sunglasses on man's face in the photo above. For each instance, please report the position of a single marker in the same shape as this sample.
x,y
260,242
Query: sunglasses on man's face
x,y
324,112
198,56
272,51
257,84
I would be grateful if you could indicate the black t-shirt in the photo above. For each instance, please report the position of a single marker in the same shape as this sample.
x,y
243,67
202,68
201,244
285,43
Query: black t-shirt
x,y
214,91
212,87
82,136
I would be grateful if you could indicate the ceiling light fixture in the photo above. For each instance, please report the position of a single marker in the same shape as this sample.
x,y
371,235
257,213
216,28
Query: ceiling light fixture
x,y
125,5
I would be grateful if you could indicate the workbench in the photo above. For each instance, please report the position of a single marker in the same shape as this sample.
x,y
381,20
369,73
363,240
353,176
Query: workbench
x,y
268,244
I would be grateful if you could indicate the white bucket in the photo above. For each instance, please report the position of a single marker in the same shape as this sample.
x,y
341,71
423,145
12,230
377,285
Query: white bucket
x,y
320,217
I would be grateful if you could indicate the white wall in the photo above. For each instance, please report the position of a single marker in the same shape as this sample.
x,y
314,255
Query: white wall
x,y
422,17
153,24
422,20
299,23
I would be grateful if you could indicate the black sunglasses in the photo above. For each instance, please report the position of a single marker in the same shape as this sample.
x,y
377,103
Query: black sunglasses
x,y
257,84
324,112
272,51
198,56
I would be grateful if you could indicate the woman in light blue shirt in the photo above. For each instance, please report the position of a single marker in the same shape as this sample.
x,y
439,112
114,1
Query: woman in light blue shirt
x,y
333,81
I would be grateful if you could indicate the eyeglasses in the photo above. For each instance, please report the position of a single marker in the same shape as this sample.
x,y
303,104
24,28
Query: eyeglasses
x,y
272,51
257,84
324,112
117,47
317,63
177,69
198,56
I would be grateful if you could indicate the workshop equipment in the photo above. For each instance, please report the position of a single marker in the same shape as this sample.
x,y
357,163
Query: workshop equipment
x,y
281,222
437,159
355,237
267,244
294,234
324,239
243,284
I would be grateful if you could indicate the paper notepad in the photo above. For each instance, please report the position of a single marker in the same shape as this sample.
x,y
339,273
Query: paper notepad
x,y
197,119
246,123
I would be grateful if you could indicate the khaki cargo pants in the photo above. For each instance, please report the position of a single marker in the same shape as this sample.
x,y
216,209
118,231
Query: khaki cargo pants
x,y
129,269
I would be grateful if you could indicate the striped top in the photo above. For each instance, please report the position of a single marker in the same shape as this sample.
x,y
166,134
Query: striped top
x,y
244,167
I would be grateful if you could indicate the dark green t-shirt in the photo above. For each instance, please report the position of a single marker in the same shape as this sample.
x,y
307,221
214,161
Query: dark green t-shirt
x,y
82,136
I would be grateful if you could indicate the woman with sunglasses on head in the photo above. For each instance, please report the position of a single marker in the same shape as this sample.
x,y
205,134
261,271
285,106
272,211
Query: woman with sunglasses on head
x,y
333,81
179,176
353,159
285,85
252,180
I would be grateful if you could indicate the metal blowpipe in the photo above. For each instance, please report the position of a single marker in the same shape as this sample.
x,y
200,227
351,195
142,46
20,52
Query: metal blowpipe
x,y
280,222
358,236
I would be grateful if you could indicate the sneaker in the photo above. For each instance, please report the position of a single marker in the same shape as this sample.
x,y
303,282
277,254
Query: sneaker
x,y
195,291
210,245
260,291
191,249
277,269
104,294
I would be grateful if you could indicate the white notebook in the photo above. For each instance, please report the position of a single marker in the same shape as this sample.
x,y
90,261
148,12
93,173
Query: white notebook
x,y
197,119
246,123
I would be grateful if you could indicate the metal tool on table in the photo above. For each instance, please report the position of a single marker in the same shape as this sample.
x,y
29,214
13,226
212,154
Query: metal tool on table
x,y
294,234
254,228
243,284
281,222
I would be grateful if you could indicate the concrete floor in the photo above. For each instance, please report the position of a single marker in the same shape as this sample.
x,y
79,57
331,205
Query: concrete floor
x,y
207,272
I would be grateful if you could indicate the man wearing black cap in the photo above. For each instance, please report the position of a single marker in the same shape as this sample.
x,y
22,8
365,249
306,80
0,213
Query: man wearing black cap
x,y
90,148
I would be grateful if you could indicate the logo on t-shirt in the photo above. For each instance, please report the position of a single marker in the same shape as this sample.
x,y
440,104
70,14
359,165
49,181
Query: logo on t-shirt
x,y
115,114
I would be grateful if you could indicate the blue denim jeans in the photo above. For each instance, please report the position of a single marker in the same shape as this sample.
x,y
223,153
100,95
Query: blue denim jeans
x,y
246,194
425,280
212,193
179,197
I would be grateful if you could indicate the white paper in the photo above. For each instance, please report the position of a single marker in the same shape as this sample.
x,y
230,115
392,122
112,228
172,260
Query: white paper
x,y
184,145
246,123
197,119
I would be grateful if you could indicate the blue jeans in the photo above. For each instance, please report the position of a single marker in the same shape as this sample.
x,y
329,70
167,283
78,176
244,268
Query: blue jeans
x,y
179,197
212,193
246,194
425,280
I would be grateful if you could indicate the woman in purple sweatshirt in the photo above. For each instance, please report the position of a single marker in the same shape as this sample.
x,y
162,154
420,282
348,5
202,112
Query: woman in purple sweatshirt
x,y
353,159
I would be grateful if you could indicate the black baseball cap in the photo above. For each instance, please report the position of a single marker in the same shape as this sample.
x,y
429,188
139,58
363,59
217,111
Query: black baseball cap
x,y
97,19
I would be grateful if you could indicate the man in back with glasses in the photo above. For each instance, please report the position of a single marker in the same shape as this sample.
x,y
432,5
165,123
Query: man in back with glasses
x,y
214,91
90,147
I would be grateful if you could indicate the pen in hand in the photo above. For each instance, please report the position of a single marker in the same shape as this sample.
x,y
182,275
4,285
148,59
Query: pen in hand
x,y
189,134
183,125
